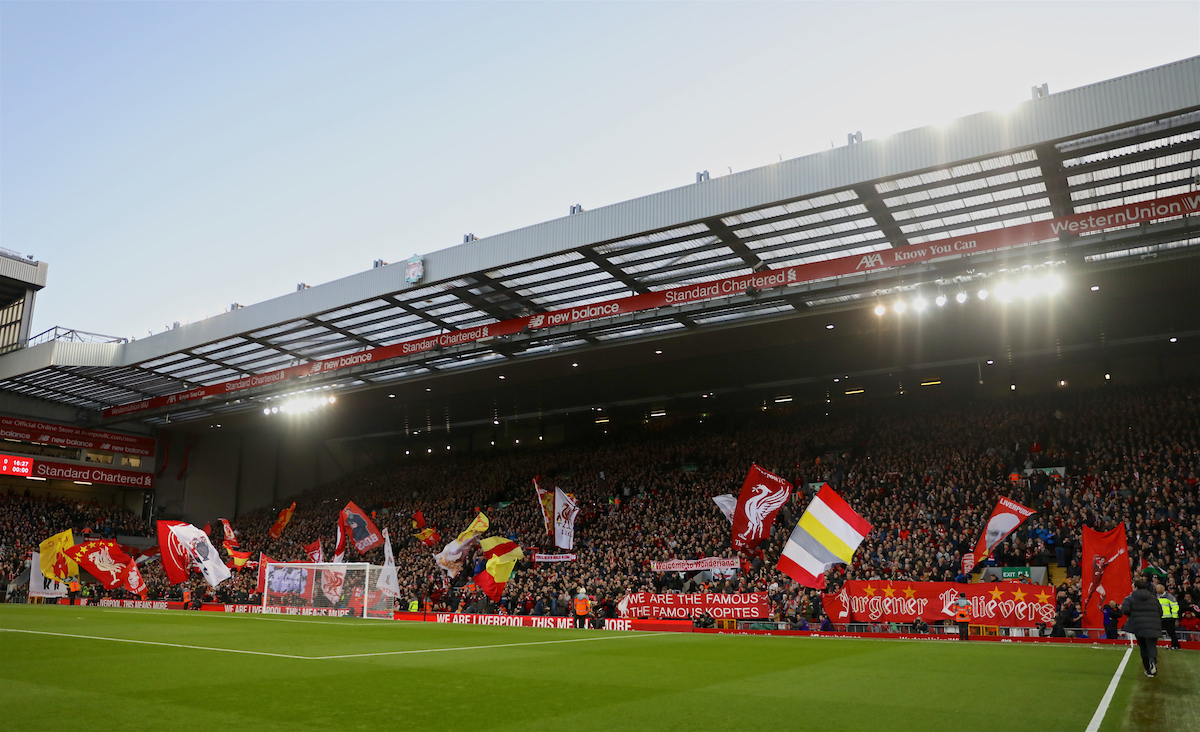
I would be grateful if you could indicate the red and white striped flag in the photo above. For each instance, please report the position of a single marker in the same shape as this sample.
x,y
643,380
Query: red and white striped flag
x,y
828,533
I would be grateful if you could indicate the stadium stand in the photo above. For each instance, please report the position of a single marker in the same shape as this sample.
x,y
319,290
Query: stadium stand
x,y
926,475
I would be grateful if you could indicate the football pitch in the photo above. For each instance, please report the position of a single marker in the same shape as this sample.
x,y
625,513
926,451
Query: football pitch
x,y
97,668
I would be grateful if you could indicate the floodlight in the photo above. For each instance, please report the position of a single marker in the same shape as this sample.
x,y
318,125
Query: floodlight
x,y
880,310
983,294
900,307
1051,284
941,300
961,297
920,304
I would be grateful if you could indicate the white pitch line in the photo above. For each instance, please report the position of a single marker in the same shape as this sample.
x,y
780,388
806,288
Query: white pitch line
x,y
1098,717
494,645
152,643
326,658
249,616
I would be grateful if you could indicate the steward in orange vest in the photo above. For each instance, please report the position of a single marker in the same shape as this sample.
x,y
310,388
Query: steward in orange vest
x,y
582,607
962,615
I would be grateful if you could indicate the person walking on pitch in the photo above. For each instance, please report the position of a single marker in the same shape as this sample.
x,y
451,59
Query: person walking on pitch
x,y
1144,621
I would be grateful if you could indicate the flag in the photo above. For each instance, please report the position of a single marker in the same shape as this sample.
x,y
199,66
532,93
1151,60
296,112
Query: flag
x,y
363,532
428,536
546,504
502,555
1148,568
237,559
1106,574
763,494
230,537
263,561
450,557
207,528
54,563
41,585
565,511
332,579
1005,518
183,547
727,503
133,580
316,553
147,554
103,560
828,533
388,583
418,520
339,548
285,516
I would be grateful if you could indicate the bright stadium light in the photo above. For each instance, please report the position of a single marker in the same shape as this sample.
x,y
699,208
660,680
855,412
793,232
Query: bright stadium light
x,y
940,300
880,310
1051,284
983,294
266,410
919,304
1004,292
1027,288
961,297
900,307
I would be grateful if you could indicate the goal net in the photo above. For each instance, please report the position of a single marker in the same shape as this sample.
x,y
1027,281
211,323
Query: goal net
x,y
344,590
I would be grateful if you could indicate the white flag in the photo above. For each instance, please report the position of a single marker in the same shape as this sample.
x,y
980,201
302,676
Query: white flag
x,y
388,583
41,585
339,550
332,580
727,503
565,511
202,553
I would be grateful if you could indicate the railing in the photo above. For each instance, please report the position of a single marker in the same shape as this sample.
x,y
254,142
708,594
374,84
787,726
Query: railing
x,y
71,335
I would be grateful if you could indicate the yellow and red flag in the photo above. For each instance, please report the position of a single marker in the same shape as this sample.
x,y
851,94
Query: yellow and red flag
x,y
237,559
54,563
284,517
502,556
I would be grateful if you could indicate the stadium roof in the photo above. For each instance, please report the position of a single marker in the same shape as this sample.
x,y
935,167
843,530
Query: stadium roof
x,y
1123,141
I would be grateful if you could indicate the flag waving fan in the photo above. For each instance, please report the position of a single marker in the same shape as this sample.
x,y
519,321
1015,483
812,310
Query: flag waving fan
x,y
103,560
183,547
315,552
763,494
502,556
362,531
427,535
388,582
545,502
285,517
828,533
1005,518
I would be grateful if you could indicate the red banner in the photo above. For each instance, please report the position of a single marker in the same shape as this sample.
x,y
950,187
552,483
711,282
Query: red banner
x,y
285,516
1013,236
992,603
104,560
363,532
763,494
1005,518
282,581
694,604
694,565
1106,573
27,430
545,621
91,473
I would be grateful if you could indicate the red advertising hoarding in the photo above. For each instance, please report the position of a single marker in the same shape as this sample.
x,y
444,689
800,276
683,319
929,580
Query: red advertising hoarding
x,y
28,430
745,605
1006,604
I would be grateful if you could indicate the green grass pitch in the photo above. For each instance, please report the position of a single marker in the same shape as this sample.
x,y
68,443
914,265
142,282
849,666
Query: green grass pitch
x,y
243,672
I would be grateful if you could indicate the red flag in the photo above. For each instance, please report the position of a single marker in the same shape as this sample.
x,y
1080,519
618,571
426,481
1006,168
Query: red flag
x,y
237,559
230,537
428,536
176,561
133,580
362,531
339,548
103,560
1005,518
207,527
263,561
315,552
1106,574
763,494
284,517
418,520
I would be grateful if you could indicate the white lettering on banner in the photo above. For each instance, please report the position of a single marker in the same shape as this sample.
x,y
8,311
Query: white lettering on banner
x,y
62,471
870,260
694,565
551,558
246,383
135,604
744,605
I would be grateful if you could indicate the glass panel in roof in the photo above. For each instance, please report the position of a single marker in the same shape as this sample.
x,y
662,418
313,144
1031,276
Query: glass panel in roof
x,y
682,231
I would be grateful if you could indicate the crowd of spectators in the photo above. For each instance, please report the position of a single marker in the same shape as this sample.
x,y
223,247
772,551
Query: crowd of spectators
x,y
926,475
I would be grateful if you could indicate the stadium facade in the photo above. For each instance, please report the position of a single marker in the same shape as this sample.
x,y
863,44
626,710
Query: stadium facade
x,y
928,258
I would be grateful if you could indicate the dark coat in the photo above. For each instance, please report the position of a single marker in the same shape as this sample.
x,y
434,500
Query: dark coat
x,y
1143,613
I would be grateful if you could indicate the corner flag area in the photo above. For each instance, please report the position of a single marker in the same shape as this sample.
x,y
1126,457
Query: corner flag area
x,y
134,670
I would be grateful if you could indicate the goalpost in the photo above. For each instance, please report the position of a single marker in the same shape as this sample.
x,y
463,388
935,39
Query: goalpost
x,y
344,590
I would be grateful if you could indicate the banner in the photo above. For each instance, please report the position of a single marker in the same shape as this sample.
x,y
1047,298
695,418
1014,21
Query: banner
x,y
183,547
42,586
545,501
362,531
331,583
1106,574
551,558
27,430
694,604
992,603
54,563
763,494
947,248
545,621
694,565
290,581
388,582
133,580
1005,518
565,511
230,536
263,561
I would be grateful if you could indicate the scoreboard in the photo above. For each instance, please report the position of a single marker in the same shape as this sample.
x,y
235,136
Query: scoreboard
x,y
13,465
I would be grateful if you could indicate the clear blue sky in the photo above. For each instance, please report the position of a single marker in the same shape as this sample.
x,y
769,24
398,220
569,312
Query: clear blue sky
x,y
168,159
